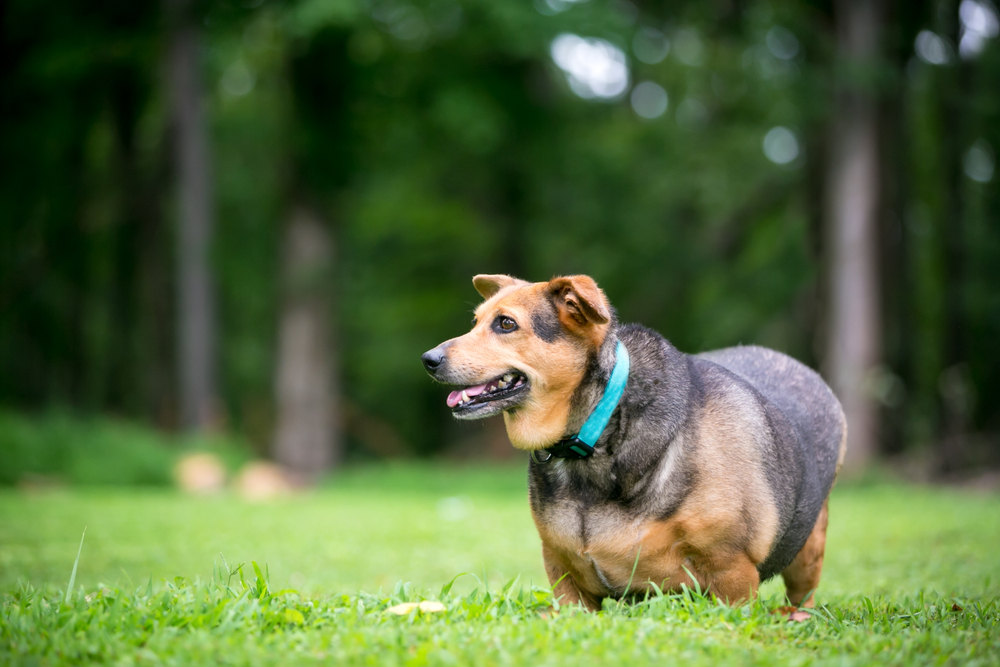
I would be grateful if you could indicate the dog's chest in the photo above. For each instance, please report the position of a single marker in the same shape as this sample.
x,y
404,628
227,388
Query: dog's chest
x,y
598,543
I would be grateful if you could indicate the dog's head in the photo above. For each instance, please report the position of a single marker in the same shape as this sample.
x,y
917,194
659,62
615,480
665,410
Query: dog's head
x,y
526,354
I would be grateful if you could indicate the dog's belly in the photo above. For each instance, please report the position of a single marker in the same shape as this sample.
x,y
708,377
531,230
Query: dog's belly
x,y
608,552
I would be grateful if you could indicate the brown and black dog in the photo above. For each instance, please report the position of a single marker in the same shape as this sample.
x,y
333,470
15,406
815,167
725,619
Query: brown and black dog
x,y
716,466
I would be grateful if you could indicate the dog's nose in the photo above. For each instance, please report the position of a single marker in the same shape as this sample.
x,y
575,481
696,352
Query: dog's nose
x,y
432,359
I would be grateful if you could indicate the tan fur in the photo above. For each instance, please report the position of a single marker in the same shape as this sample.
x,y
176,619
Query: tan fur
x,y
843,444
710,536
554,370
582,307
665,553
802,576
488,285
729,458
564,586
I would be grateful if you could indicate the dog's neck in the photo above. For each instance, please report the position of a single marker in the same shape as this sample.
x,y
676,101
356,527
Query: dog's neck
x,y
652,411
562,410
588,393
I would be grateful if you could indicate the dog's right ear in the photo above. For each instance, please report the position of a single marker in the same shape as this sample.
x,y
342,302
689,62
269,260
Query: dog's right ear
x,y
579,300
488,285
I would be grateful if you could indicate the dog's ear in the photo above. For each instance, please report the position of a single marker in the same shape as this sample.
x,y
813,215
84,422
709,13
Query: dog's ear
x,y
579,299
488,285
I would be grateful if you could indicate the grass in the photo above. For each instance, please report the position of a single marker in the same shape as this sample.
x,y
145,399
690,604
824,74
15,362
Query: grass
x,y
912,577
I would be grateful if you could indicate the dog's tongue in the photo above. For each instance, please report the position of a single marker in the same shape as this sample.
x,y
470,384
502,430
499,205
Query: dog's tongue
x,y
455,396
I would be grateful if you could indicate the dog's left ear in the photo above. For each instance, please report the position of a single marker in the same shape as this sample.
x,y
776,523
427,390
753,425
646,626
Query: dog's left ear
x,y
488,285
580,299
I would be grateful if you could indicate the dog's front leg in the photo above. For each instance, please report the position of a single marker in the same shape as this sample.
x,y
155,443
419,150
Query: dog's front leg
x,y
735,580
565,588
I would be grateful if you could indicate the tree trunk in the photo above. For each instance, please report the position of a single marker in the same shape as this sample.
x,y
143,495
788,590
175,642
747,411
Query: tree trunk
x,y
853,187
307,439
195,302
954,384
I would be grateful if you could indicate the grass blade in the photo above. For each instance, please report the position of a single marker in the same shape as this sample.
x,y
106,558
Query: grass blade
x,y
72,576
447,587
634,565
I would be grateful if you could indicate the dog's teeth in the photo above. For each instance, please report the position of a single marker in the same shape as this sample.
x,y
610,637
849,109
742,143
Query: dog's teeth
x,y
501,384
508,377
465,397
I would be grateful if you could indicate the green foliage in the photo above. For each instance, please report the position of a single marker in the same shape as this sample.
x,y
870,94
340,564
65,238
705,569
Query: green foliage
x,y
59,448
440,140
909,578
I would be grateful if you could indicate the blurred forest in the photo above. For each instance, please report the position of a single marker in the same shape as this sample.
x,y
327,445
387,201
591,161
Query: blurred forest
x,y
253,216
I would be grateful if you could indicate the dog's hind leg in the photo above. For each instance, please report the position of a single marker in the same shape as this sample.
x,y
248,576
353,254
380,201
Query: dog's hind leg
x,y
802,576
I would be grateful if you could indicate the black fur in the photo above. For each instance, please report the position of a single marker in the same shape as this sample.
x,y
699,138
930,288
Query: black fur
x,y
545,322
660,406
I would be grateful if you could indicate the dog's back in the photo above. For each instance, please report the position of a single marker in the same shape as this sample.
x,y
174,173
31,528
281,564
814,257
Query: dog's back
x,y
817,446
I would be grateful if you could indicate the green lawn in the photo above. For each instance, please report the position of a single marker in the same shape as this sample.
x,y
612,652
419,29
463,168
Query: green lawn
x,y
912,576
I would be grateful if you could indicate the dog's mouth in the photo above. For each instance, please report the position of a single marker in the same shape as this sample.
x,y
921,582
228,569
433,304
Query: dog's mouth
x,y
501,388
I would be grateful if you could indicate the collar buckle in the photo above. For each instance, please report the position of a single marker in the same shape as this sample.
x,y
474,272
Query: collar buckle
x,y
540,456
569,448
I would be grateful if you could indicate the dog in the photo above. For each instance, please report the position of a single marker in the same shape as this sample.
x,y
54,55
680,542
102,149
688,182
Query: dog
x,y
711,469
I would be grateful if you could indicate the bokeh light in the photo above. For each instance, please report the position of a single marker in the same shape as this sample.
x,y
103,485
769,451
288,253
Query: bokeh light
x,y
688,47
649,100
932,48
238,79
553,7
650,45
782,43
780,145
595,68
979,23
979,162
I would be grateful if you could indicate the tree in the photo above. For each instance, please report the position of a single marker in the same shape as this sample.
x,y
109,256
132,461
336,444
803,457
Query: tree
x,y
195,298
307,439
852,200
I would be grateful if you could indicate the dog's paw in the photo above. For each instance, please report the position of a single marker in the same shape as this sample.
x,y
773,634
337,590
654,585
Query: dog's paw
x,y
794,614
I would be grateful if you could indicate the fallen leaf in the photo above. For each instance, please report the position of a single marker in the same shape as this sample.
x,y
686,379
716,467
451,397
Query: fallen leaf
x,y
426,607
956,607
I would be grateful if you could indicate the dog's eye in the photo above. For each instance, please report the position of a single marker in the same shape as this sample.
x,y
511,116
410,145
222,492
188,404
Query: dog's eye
x,y
504,324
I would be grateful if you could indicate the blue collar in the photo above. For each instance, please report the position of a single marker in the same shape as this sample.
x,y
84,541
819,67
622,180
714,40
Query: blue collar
x,y
582,445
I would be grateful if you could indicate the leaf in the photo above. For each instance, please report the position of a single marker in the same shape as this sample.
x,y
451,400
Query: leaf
x,y
426,607
294,616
